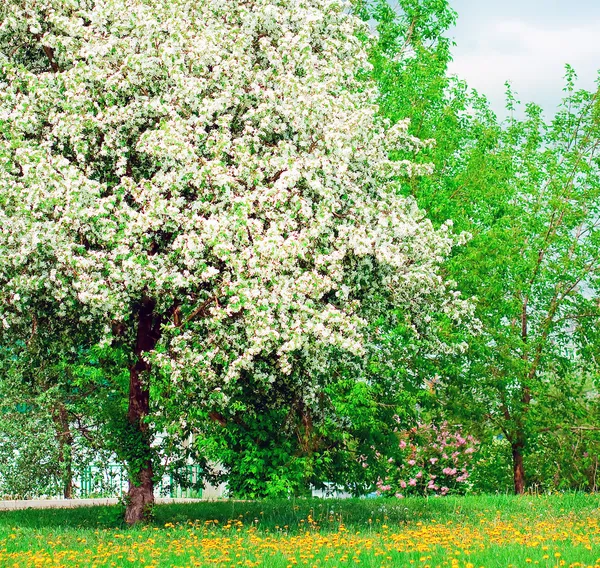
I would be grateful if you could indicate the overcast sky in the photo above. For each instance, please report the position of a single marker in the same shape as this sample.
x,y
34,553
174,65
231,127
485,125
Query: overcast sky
x,y
527,42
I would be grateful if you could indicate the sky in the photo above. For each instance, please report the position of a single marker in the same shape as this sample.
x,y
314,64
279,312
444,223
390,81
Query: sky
x,y
526,42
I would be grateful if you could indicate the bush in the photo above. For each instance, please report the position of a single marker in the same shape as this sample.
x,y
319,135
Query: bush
x,y
433,461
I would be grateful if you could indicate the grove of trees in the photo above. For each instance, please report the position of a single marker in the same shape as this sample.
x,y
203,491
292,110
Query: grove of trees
x,y
277,236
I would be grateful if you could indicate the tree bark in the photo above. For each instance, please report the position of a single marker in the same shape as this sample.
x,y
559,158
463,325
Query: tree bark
x,y
518,445
518,468
65,449
141,483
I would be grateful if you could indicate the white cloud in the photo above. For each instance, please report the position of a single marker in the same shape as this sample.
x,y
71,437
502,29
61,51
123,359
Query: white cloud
x,y
530,56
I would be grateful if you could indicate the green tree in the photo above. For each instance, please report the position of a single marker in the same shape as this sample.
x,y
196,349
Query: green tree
x,y
56,415
537,279
527,191
280,442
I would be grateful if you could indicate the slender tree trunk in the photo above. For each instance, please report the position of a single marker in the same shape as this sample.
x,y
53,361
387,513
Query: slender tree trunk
x,y
141,482
518,468
518,445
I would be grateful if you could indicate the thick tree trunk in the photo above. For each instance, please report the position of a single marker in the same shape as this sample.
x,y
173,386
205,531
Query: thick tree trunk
x,y
65,449
141,482
518,468
141,485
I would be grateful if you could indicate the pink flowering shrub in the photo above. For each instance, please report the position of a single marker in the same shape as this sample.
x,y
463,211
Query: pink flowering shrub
x,y
433,460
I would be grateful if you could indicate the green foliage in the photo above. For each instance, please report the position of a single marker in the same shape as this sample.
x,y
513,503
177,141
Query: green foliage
x,y
493,470
273,443
29,464
58,408
527,192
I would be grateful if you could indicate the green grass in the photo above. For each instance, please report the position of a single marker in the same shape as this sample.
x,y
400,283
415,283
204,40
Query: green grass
x,y
453,531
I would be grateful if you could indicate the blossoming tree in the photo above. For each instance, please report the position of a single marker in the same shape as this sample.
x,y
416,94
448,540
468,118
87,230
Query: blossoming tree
x,y
204,185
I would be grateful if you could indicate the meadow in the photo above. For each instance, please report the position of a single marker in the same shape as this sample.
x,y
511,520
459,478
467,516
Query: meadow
x,y
468,532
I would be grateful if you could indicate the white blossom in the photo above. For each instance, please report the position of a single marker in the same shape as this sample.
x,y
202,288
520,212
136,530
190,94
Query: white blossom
x,y
225,158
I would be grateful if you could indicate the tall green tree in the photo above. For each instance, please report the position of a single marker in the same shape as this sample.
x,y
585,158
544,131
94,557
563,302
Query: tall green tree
x,y
527,191
538,283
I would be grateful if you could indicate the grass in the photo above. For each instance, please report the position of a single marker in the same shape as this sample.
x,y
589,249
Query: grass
x,y
490,531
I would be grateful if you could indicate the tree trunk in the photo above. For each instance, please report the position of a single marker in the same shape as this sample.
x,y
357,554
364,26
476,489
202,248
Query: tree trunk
x,y
141,482
65,449
518,468
518,445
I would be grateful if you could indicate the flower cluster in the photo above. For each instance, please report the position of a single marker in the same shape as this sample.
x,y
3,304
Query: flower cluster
x,y
433,461
225,160
526,533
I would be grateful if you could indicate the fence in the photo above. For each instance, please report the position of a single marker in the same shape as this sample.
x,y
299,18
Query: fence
x,y
112,481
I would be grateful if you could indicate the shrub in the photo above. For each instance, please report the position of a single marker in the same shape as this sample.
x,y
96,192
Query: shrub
x,y
433,460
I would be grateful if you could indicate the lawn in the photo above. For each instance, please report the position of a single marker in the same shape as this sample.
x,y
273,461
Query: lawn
x,y
560,530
